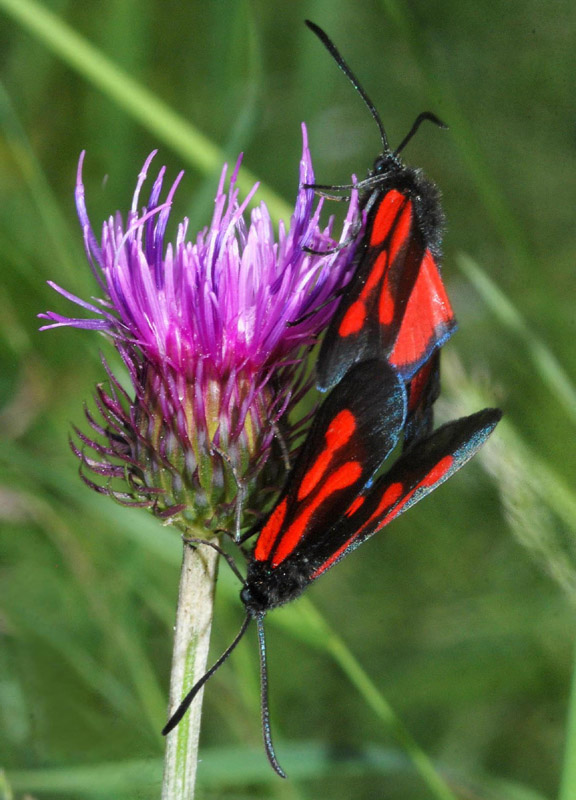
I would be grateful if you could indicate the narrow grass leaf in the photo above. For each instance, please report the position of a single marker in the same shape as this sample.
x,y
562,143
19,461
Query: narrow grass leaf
x,y
568,776
502,215
533,494
546,365
151,112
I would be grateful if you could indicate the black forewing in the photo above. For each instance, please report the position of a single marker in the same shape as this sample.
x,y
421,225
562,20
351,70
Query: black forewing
x,y
371,338
353,432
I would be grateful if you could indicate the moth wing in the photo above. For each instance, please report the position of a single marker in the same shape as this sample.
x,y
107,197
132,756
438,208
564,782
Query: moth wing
x,y
428,320
353,432
395,306
419,471
422,391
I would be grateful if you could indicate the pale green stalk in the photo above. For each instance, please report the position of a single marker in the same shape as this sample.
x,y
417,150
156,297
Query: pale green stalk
x,y
568,781
5,788
189,659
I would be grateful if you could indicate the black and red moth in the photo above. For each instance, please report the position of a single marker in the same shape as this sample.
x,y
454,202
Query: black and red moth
x,y
395,306
332,502
334,498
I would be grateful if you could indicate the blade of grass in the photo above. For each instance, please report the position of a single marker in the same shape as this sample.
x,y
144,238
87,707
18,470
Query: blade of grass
x,y
568,777
15,718
498,789
328,640
153,114
531,491
91,672
57,231
552,373
242,766
502,215
59,479
5,788
130,648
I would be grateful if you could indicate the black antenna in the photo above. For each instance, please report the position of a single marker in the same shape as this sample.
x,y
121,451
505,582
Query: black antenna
x,y
264,699
331,47
185,704
425,115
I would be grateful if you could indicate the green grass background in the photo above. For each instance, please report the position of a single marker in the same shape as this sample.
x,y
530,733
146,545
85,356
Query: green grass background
x,y
461,616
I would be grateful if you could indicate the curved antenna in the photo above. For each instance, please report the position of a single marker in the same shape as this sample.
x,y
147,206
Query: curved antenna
x,y
264,699
331,47
185,704
425,115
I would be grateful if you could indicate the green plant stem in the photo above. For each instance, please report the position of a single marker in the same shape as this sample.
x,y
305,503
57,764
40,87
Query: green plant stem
x,y
191,644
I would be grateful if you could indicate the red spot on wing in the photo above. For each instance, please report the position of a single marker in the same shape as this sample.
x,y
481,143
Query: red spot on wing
x,y
391,230
353,508
395,511
269,532
428,316
402,231
436,474
389,497
337,435
387,304
400,238
389,500
375,275
353,319
387,212
344,476
355,316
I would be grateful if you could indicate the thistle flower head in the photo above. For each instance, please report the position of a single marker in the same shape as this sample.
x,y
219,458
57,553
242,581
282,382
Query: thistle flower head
x,y
213,332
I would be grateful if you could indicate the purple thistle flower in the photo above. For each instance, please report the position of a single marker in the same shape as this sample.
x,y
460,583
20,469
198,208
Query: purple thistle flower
x,y
214,333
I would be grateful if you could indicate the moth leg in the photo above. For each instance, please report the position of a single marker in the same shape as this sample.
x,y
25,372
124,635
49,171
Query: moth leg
x,y
240,491
191,540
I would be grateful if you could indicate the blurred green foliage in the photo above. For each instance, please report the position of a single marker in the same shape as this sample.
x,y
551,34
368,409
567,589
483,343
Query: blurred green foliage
x,y
463,614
